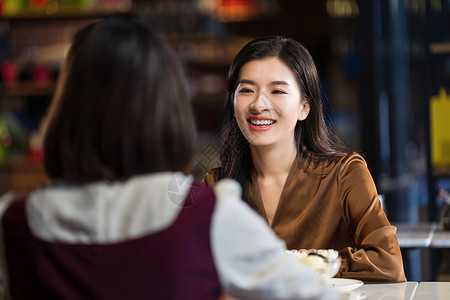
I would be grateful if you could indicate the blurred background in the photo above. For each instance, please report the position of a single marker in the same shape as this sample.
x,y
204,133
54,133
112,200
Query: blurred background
x,y
384,67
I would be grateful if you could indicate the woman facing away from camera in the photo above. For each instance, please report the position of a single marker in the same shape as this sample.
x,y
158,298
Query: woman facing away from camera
x,y
294,172
119,218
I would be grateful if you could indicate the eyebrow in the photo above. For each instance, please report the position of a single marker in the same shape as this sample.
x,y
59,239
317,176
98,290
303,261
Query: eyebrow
x,y
279,82
276,82
247,81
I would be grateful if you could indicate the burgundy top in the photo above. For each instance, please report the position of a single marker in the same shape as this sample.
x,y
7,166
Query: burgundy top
x,y
175,263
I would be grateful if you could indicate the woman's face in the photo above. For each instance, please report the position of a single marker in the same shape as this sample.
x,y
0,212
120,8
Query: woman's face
x,y
267,103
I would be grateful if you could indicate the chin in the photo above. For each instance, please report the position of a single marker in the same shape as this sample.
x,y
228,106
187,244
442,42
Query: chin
x,y
260,143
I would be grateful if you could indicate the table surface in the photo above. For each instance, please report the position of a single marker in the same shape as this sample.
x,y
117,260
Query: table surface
x,y
410,290
441,239
422,235
433,291
391,291
415,235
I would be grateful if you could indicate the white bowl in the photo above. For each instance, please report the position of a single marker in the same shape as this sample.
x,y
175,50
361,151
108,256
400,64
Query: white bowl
x,y
325,262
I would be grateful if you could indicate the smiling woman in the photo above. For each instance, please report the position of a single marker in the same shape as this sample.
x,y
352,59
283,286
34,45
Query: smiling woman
x,y
294,171
268,97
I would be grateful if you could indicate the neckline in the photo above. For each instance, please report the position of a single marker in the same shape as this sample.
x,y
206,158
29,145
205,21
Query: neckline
x,y
256,192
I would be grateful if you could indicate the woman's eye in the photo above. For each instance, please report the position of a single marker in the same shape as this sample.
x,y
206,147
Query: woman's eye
x,y
278,92
245,91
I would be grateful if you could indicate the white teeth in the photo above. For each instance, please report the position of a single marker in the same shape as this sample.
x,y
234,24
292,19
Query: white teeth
x,y
262,122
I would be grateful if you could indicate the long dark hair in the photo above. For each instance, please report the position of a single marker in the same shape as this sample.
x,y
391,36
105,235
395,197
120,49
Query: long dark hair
x,y
313,137
123,109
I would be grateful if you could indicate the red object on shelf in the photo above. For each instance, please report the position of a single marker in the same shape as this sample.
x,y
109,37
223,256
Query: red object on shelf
x,y
35,150
39,3
42,74
35,156
9,74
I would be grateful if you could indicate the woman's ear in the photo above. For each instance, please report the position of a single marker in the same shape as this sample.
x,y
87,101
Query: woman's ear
x,y
304,110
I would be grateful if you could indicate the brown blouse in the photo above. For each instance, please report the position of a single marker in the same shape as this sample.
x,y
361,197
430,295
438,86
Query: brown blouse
x,y
334,204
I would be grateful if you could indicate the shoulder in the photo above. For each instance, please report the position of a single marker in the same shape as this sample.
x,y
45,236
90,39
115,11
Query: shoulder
x,y
348,167
352,162
352,157
70,213
344,162
200,193
337,164
352,172
211,177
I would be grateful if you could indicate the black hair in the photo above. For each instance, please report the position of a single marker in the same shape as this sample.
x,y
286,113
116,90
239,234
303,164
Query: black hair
x,y
123,109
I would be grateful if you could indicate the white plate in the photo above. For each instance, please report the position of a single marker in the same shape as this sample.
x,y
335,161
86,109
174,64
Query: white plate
x,y
345,284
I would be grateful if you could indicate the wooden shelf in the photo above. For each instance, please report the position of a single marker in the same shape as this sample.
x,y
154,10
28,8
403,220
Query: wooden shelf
x,y
21,176
28,89
68,12
440,48
441,171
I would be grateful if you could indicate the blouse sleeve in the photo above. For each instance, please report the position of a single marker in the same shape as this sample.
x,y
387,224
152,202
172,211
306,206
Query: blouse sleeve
x,y
375,254
251,261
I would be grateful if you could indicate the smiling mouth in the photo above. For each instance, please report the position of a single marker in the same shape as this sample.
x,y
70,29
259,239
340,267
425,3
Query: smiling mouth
x,y
261,123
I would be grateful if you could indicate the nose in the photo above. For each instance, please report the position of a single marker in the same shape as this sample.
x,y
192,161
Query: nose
x,y
260,103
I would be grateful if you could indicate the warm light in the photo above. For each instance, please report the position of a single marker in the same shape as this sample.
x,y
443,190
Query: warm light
x,y
52,8
436,5
415,6
238,10
342,8
234,10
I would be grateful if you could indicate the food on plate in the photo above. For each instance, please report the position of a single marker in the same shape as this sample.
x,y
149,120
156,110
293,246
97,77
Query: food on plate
x,y
325,262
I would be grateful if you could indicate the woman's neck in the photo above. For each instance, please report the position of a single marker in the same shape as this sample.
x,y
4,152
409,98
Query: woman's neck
x,y
271,161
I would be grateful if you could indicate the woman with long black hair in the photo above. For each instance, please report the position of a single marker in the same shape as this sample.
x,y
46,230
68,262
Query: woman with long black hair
x,y
294,171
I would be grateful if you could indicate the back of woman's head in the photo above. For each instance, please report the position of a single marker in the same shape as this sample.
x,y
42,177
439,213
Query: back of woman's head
x,y
123,109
